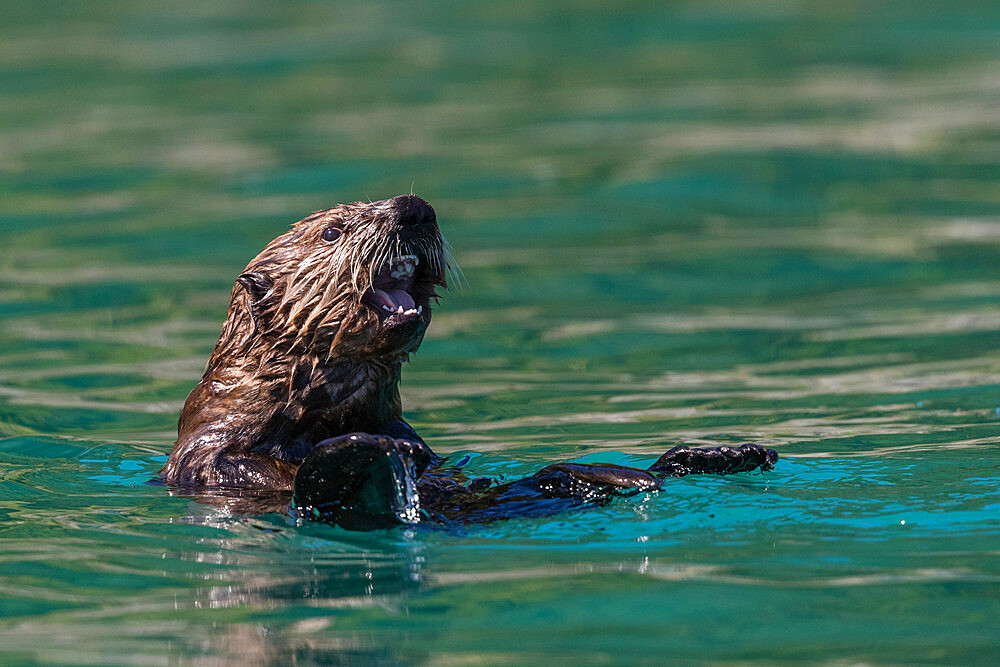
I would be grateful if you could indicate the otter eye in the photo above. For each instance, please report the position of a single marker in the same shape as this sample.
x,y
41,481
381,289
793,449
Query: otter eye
x,y
332,233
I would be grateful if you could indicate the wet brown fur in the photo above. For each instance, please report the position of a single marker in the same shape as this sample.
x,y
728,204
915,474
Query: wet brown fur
x,y
301,357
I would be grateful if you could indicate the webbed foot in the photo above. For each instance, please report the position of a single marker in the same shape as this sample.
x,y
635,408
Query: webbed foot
x,y
681,461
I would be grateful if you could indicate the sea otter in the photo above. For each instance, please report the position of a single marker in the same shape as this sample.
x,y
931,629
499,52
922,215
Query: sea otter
x,y
300,398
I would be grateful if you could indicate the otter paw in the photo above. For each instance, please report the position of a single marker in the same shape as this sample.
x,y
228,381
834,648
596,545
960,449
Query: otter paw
x,y
681,461
361,482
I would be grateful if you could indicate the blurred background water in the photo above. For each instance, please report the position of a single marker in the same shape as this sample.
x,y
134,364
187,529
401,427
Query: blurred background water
x,y
687,222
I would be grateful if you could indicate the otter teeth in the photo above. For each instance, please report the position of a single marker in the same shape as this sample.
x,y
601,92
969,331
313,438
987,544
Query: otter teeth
x,y
404,266
399,310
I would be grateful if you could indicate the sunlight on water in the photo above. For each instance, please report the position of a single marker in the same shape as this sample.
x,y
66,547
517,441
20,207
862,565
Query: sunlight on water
x,y
706,223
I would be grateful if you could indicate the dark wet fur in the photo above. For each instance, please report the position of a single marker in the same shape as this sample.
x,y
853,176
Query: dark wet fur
x,y
301,392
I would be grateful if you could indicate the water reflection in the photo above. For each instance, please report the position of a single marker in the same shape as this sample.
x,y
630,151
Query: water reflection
x,y
341,573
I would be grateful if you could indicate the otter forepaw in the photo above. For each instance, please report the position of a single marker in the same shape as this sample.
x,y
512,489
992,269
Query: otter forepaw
x,y
681,461
361,481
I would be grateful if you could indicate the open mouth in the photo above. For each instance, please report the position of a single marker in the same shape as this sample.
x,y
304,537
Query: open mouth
x,y
391,291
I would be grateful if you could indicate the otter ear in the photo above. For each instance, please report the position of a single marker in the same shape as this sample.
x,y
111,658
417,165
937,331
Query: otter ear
x,y
257,286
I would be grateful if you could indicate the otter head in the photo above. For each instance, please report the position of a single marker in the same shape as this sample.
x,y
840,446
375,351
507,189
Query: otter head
x,y
353,282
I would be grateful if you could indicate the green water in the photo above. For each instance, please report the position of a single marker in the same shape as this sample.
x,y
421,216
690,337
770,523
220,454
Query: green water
x,y
688,222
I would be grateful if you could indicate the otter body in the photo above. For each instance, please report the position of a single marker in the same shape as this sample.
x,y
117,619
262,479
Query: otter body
x,y
300,396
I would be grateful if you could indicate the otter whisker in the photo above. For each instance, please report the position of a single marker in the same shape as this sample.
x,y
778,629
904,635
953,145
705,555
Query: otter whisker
x,y
452,267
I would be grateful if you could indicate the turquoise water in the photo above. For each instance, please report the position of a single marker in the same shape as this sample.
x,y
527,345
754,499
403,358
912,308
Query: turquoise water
x,y
702,222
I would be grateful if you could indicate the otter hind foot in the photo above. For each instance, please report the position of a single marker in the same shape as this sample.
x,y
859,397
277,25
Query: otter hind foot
x,y
681,461
361,482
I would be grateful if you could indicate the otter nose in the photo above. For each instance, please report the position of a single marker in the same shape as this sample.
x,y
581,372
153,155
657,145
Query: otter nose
x,y
412,210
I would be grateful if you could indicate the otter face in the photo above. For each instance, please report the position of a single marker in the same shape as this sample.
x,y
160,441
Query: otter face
x,y
353,281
